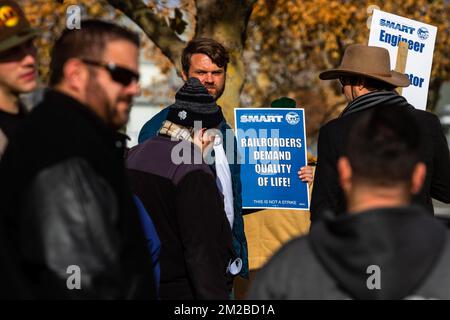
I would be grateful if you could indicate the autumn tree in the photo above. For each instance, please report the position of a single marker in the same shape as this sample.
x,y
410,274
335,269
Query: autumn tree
x,y
291,41
50,18
223,20
277,47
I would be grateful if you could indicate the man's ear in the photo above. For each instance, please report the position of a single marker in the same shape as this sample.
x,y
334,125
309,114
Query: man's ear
x,y
199,135
345,173
184,76
418,177
207,136
75,75
362,83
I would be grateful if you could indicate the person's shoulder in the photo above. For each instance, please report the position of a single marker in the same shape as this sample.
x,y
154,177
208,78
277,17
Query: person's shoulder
x,y
425,116
224,125
154,149
38,130
330,124
422,113
339,123
333,131
428,122
153,142
199,172
176,160
151,127
185,158
328,127
437,283
292,273
157,118
287,258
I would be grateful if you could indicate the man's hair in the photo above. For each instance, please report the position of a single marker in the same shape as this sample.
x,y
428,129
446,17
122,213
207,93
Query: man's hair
x,y
213,49
370,83
87,42
383,146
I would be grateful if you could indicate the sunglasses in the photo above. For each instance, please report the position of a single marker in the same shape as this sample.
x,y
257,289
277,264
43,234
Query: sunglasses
x,y
121,75
18,52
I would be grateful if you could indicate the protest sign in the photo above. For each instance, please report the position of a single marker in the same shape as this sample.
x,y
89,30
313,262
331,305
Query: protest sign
x,y
272,147
387,31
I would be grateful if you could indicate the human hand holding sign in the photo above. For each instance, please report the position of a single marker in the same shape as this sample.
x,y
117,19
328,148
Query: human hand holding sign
x,y
306,174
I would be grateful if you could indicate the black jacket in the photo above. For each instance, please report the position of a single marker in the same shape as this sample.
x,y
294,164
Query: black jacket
x,y
65,201
187,210
327,193
390,253
9,123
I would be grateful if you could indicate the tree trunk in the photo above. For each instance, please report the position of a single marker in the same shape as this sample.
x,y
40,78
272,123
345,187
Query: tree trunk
x,y
226,21
154,27
223,20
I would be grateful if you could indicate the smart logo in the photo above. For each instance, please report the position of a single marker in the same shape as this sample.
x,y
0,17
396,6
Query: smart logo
x,y
245,118
292,118
423,33
397,26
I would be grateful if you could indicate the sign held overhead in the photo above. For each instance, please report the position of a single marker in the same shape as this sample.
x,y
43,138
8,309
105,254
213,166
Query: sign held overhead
x,y
388,31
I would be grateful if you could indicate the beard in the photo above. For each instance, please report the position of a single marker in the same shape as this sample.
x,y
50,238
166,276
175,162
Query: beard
x,y
100,101
97,97
215,91
121,113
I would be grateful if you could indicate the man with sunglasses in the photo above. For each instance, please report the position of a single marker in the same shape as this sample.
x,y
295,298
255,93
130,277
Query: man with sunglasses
x,y
17,67
368,82
68,211
125,77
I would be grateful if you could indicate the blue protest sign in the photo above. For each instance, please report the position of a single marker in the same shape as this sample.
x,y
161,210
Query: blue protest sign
x,y
272,147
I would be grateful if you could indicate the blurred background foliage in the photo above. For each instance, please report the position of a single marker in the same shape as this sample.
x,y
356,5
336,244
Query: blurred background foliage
x,y
281,45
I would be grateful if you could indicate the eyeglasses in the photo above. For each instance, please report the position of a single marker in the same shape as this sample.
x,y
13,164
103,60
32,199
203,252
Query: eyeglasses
x,y
121,75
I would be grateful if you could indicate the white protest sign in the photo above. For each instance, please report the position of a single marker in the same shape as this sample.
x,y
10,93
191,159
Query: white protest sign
x,y
387,30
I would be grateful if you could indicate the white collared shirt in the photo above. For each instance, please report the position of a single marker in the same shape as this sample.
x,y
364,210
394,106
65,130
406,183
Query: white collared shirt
x,y
224,180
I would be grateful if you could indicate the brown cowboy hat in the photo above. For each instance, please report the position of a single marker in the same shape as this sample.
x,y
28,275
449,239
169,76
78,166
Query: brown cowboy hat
x,y
367,61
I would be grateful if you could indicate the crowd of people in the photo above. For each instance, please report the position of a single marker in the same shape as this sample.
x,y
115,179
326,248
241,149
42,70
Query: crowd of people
x,y
84,217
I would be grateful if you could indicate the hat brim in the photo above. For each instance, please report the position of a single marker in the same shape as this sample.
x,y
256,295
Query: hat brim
x,y
18,39
396,79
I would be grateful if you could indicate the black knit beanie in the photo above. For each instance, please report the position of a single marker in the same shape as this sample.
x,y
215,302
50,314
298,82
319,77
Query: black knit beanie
x,y
194,103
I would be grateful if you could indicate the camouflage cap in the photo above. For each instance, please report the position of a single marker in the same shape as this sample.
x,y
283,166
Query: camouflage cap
x,y
14,26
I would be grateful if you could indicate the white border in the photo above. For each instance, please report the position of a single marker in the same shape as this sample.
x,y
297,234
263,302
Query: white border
x,y
305,153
